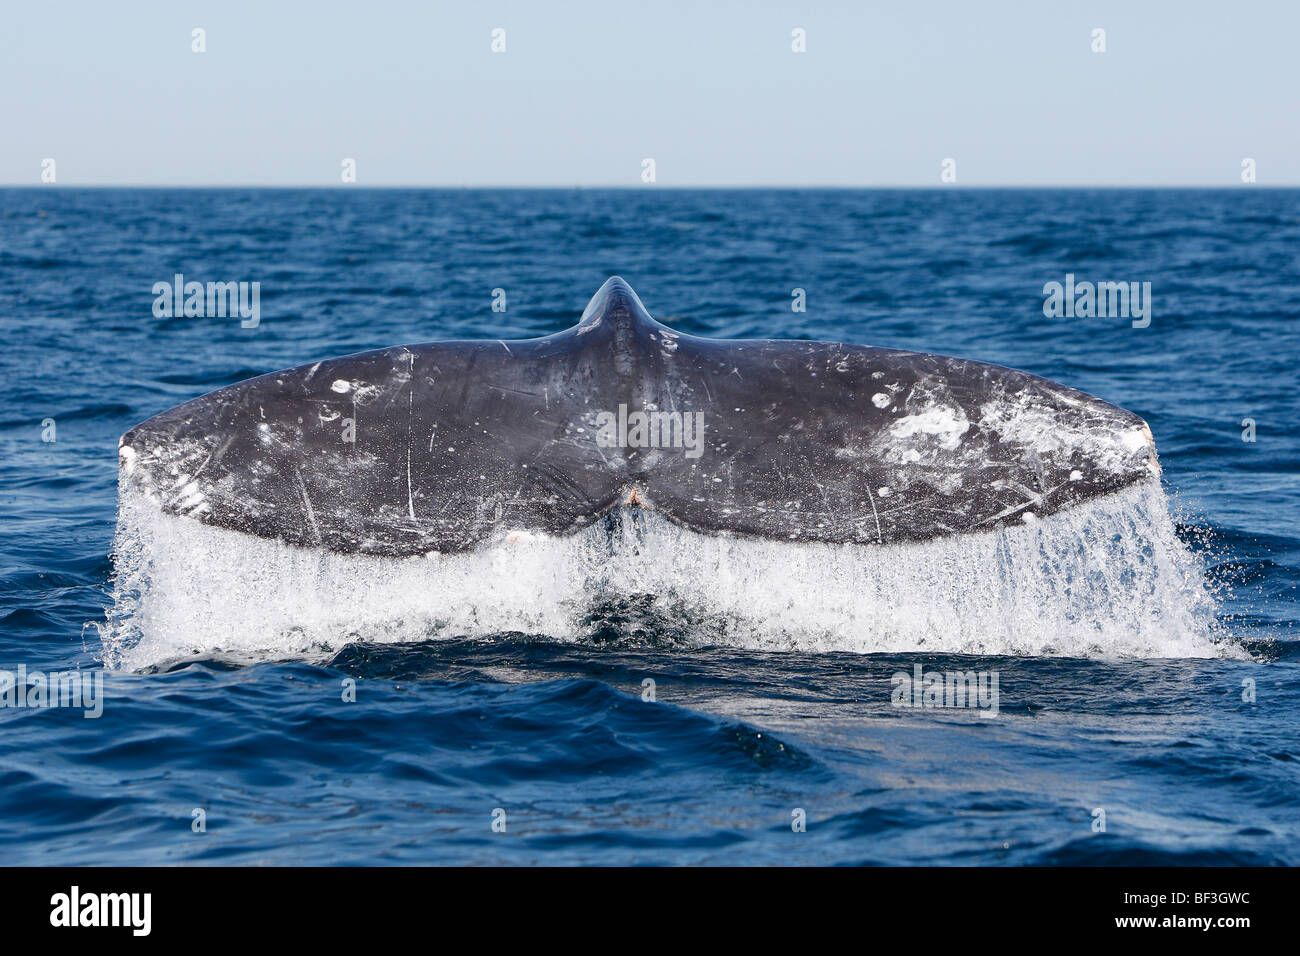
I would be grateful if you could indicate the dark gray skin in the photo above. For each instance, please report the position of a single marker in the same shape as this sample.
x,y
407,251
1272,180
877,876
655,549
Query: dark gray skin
x,y
461,443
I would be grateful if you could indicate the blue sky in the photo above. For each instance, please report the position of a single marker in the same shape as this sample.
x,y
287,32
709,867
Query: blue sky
x,y
711,91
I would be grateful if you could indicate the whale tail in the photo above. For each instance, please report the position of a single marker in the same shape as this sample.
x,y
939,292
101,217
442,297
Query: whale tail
x,y
444,446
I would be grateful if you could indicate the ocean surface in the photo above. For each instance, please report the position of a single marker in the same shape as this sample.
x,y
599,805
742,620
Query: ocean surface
x,y
1145,648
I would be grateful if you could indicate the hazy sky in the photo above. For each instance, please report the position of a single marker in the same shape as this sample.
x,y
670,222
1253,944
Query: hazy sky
x,y
711,91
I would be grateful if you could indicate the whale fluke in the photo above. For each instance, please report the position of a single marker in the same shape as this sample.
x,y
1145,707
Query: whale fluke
x,y
446,446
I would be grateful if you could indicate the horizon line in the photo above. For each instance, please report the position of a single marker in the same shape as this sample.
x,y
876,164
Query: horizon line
x,y
649,187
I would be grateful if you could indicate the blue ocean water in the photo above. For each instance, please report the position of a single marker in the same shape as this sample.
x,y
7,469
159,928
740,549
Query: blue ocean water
x,y
448,730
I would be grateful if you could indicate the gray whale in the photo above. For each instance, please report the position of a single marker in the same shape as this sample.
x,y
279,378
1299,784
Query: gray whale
x,y
447,446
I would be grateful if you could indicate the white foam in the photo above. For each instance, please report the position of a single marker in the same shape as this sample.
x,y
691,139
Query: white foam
x,y
1105,579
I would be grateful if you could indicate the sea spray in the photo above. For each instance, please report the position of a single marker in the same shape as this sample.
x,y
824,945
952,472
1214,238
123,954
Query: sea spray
x,y
1108,578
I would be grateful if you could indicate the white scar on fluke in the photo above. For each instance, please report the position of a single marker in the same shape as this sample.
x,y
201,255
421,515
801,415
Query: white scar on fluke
x,y
474,450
